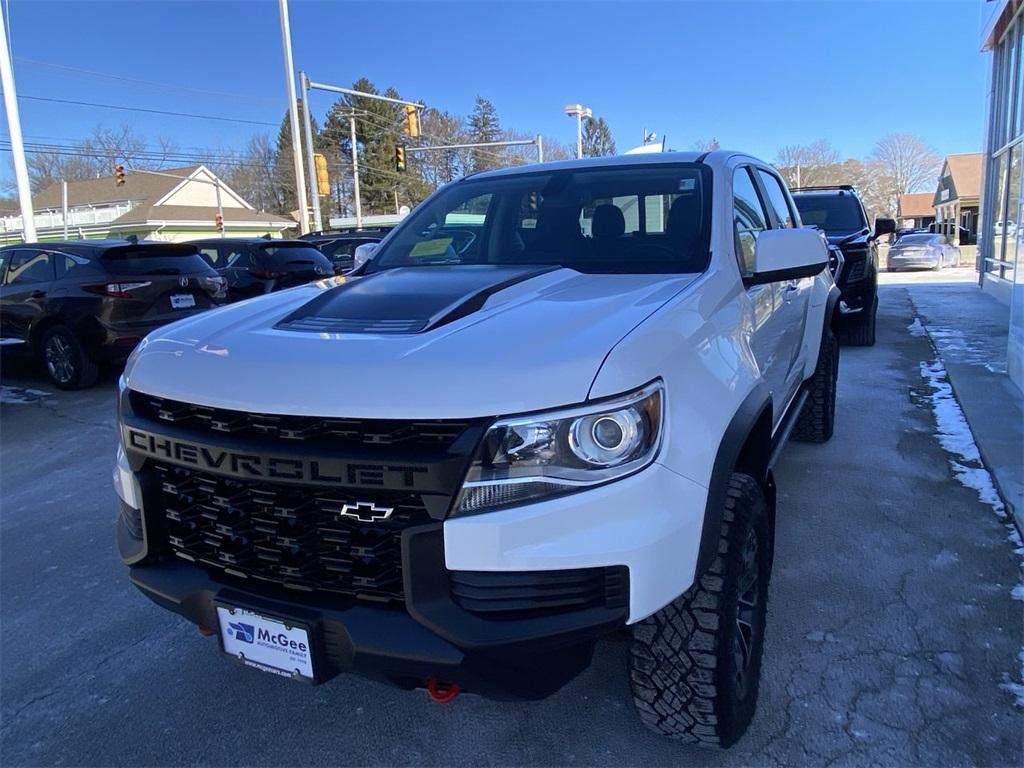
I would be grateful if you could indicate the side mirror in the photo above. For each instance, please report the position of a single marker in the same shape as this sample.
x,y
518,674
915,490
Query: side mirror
x,y
788,254
363,254
884,226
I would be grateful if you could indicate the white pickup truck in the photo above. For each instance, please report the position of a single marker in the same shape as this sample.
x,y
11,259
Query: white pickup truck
x,y
546,409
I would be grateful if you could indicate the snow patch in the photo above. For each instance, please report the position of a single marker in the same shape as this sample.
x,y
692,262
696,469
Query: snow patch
x,y
955,436
20,396
1015,689
916,329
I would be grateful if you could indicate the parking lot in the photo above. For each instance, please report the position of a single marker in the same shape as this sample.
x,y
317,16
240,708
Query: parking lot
x,y
891,624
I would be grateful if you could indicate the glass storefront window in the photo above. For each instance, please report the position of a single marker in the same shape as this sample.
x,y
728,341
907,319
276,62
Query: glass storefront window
x,y
1014,227
999,210
1010,84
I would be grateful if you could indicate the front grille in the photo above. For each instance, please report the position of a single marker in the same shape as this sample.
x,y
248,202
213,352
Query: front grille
x,y
518,594
294,535
342,433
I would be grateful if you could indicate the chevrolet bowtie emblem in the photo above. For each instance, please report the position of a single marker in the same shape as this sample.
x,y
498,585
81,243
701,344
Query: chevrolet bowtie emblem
x,y
366,511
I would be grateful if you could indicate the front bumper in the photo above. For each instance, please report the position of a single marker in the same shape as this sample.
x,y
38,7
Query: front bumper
x,y
917,262
434,638
643,531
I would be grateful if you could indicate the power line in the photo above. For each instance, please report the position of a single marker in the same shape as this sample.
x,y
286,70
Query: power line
x,y
149,111
138,81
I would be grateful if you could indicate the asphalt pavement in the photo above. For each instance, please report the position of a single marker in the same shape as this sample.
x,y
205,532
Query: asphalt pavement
x,y
891,627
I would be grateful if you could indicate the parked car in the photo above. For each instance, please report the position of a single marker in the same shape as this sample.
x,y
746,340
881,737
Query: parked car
x,y
517,442
253,266
923,251
79,303
839,212
340,247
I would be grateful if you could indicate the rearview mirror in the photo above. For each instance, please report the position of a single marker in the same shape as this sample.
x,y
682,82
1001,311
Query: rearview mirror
x,y
884,226
788,254
363,254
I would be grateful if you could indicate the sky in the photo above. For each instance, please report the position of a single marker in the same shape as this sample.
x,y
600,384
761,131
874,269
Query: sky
x,y
756,76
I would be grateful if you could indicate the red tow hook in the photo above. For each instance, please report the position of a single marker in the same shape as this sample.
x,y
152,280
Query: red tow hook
x,y
442,693
205,631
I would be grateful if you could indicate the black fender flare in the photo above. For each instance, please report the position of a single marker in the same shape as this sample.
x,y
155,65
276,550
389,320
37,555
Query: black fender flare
x,y
832,309
742,424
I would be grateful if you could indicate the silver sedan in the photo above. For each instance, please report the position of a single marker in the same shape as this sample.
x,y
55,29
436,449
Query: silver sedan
x,y
923,251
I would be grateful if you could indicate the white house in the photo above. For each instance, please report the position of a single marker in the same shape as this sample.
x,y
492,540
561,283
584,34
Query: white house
x,y
179,204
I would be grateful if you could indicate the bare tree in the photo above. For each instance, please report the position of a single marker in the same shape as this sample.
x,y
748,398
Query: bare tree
x,y
707,145
907,161
809,165
96,156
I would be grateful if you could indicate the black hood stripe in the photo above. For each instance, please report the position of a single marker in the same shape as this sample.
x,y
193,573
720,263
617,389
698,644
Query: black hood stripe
x,y
406,300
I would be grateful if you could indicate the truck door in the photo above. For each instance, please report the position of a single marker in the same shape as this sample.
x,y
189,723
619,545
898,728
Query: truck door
x,y
769,333
792,297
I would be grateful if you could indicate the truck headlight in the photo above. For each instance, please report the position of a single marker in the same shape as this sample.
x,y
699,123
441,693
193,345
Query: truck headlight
x,y
527,458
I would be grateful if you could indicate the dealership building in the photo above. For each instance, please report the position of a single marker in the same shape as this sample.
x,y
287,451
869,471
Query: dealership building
x,y
1001,238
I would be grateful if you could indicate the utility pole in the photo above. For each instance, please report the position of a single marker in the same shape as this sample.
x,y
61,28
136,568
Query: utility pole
x,y
28,223
314,192
355,171
540,148
293,110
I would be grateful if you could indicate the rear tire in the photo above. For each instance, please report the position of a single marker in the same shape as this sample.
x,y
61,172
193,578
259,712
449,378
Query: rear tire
x,y
817,417
65,359
863,333
695,665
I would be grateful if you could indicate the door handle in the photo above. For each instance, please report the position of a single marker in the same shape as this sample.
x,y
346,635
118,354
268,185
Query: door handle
x,y
38,294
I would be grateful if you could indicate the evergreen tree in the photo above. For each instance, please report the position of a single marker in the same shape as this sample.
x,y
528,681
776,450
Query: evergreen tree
x,y
283,175
484,127
597,138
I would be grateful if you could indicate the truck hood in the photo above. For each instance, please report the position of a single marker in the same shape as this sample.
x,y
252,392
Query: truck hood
x,y
421,342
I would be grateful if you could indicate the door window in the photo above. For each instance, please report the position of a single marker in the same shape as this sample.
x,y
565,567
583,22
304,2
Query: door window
x,y
29,266
749,219
777,202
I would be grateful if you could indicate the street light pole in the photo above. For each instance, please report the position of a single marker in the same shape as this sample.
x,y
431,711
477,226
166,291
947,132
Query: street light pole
x,y
579,112
293,111
28,222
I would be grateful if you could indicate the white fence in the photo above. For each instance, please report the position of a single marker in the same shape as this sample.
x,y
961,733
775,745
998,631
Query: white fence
x,y
77,217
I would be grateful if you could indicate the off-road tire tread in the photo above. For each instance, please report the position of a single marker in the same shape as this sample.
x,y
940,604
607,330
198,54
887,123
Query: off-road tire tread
x,y
675,659
862,334
817,417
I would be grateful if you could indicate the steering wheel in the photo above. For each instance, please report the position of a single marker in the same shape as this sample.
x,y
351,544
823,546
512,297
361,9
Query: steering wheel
x,y
462,239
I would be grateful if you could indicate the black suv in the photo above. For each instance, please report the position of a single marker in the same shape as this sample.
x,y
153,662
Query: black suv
x,y
253,266
839,212
340,247
78,303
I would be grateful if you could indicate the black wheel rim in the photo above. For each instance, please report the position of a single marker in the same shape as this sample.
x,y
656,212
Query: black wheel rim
x,y
746,612
60,359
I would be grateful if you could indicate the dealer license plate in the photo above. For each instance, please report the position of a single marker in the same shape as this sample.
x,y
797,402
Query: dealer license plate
x,y
267,644
182,301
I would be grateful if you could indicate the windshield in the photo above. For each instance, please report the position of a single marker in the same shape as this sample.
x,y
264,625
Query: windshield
x,y
647,219
919,239
833,213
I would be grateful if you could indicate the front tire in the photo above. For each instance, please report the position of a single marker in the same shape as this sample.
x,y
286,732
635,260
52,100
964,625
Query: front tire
x,y
695,665
863,333
66,361
818,415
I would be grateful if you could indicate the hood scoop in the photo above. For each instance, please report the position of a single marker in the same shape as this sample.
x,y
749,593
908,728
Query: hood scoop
x,y
405,300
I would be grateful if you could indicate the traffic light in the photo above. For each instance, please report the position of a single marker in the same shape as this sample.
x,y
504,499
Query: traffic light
x,y
119,174
323,183
412,122
219,221
400,158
